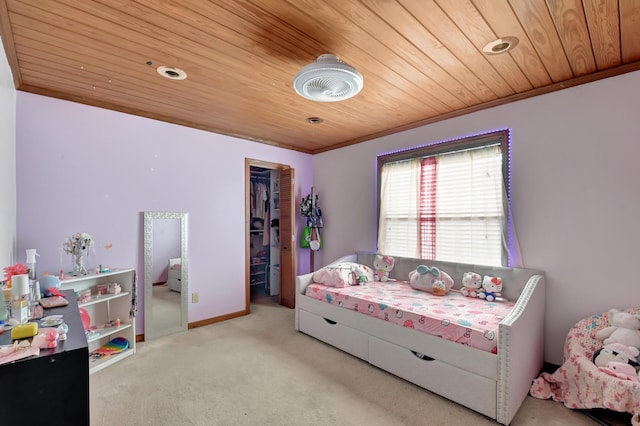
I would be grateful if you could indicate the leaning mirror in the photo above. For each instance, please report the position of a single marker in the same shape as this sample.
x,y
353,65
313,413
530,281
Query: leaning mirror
x,y
166,275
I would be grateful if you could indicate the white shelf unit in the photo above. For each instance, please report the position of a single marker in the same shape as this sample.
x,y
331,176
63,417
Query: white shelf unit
x,y
104,308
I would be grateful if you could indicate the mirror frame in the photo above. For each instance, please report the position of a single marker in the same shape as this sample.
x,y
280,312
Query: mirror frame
x,y
148,266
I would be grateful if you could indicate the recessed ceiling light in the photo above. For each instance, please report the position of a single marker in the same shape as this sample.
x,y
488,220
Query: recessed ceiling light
x,y
314,120
501,45
171,72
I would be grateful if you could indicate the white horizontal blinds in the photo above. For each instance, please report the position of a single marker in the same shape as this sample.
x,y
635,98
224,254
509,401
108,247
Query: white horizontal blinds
x,y
469,206
399,199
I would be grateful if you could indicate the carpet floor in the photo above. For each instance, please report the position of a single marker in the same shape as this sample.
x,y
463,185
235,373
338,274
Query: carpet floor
x,y
257,370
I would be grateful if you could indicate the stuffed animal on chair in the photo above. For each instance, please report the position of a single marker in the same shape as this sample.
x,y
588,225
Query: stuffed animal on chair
x,y
621,371
616,352
433,280
623,328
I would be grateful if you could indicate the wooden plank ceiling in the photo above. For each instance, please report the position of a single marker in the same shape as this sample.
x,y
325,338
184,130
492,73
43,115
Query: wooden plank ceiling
x,y
421,60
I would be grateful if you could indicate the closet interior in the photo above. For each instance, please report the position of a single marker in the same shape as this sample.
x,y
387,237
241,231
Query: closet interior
x,y
264,232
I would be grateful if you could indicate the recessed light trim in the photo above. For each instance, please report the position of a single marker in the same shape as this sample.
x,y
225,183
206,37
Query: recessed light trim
x,y
314,120
171,73
501,45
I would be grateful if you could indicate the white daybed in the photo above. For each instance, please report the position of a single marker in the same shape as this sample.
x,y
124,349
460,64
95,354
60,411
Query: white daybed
x,y
174,274
492,384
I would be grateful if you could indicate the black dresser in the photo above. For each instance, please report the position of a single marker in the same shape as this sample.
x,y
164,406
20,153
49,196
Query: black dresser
x,y
52,388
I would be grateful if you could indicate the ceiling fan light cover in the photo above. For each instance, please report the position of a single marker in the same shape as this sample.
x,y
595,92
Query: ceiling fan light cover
x,y
328,80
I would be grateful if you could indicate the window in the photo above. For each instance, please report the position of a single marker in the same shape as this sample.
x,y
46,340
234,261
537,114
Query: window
x,y
447,201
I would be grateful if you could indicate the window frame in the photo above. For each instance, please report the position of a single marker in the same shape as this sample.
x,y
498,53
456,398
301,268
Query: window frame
x,y
500,137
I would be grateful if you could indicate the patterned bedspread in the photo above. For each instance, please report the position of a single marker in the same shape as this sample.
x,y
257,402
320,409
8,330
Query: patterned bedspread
x,y
578,383
465,320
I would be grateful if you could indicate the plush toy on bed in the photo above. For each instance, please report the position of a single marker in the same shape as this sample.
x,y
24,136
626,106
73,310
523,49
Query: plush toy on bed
x,y
491,288
471,284
382,265
623,328
433,280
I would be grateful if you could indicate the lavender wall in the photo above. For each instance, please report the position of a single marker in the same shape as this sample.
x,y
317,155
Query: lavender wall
x,y
575,192
86,169
8,166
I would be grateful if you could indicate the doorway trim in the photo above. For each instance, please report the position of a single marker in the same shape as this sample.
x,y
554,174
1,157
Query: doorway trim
x,y
249,162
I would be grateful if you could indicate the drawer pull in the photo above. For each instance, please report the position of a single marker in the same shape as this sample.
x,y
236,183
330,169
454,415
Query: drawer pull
x,y
422,356
329,321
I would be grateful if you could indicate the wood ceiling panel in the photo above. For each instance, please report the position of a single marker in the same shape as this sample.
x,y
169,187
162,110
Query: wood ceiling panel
x,y
630,30
138,77
422,60
504,22
407,25
604,31
385,41
569,18
431,16
468,19
537,23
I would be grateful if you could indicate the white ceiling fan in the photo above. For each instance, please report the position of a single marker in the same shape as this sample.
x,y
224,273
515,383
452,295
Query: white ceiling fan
x,y
328,80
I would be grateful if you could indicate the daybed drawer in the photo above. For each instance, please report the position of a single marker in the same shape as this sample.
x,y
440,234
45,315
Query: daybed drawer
x,y
468,389
342,337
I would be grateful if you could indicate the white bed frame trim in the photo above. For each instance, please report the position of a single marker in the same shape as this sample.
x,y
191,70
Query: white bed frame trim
x,y
510,373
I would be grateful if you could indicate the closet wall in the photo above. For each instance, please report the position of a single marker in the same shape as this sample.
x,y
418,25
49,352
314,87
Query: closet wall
x,y
264,232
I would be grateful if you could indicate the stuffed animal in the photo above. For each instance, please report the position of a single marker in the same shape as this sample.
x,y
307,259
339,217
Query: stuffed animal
x,y
432,280
362,274
620,370
471,284
491,288
623,328
382,265
616,352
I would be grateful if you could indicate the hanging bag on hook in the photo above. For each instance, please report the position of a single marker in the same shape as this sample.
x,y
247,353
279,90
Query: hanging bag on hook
x,y
306,237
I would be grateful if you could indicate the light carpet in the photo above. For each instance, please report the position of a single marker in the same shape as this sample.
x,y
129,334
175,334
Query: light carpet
x,y
257,370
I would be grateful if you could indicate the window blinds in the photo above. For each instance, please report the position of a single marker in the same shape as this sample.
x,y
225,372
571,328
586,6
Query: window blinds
x,y
400,195
446,207
469,206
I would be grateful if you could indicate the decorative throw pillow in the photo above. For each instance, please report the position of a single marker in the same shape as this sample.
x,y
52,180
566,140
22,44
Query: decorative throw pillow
x,y
343,274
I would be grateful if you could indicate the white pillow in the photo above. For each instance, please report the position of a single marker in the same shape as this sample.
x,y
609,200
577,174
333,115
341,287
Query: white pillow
x,y
343,274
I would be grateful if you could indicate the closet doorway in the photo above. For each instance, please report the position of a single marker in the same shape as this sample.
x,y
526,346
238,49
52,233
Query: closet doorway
x,y
269,224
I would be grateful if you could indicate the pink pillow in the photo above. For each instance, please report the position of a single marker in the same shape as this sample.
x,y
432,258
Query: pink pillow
x,y
343,274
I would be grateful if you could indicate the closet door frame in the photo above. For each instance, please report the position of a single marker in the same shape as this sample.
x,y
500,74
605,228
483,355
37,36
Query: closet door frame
x,y
287,251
